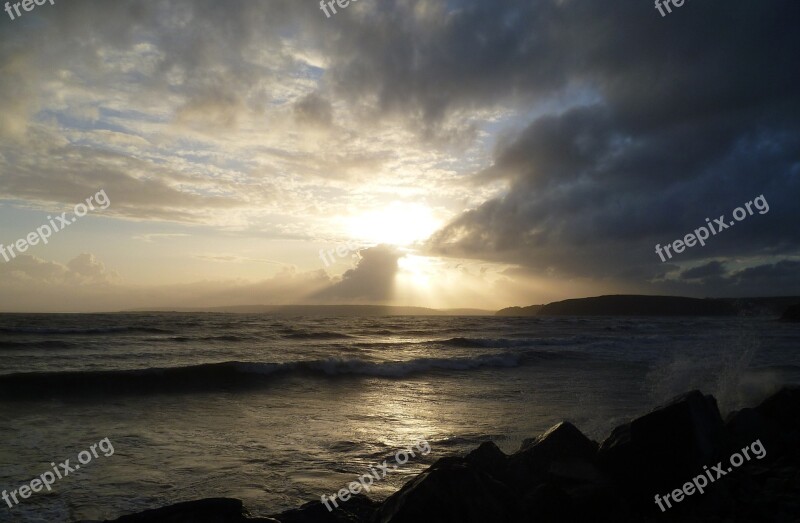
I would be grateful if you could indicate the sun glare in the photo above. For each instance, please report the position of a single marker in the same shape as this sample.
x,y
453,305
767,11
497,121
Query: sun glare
x,y
415,270
399,224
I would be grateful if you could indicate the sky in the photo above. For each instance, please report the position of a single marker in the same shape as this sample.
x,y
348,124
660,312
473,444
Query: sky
x,y
459,153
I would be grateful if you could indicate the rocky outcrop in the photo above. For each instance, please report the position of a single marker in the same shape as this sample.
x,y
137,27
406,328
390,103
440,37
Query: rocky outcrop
x,y
562,475
356,509
676,440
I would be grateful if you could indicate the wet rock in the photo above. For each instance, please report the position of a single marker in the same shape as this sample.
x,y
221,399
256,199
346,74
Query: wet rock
x,y
356,509
450,493
659,451
489,458
562,449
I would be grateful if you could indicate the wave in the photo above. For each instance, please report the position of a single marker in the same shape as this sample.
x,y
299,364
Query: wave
x,y
324,335
232,375
186,339
34,345
79,331
501,343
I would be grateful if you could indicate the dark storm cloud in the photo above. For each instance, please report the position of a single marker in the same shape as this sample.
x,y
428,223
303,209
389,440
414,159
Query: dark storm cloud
x,y
784,272
715,279
712,269
696,114
371,281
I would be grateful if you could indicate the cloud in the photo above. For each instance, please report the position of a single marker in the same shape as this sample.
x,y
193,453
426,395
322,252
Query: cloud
x,y
227,258
218,109
86,267
313,109
591,132
152,237
27,270
712,269
783,273
84,284
372,281
673,133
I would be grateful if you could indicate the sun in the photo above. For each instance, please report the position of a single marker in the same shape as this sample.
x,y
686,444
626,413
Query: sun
x,y
416,270
400,224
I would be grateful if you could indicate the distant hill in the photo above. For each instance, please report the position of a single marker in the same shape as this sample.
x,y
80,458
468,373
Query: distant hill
x,y
531,310
640,305
327,310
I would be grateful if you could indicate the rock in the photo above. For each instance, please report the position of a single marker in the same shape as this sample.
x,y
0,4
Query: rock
x,y
782,410
563,450
665,448
549,503
489,458
562,442
792,313
783,407
356,509
450,493
748,425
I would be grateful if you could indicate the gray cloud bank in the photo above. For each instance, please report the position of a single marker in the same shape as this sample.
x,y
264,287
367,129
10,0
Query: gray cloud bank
x,y
690,117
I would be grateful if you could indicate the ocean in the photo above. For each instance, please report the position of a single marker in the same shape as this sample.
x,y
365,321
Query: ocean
x,y
278,411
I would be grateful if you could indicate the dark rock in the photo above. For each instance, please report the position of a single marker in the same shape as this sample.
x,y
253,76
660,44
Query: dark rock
x,y
792,313
549,503
561,443
783,407
489,458
356,509
776,421
560,480
782,426
748,425
450,493
659,451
